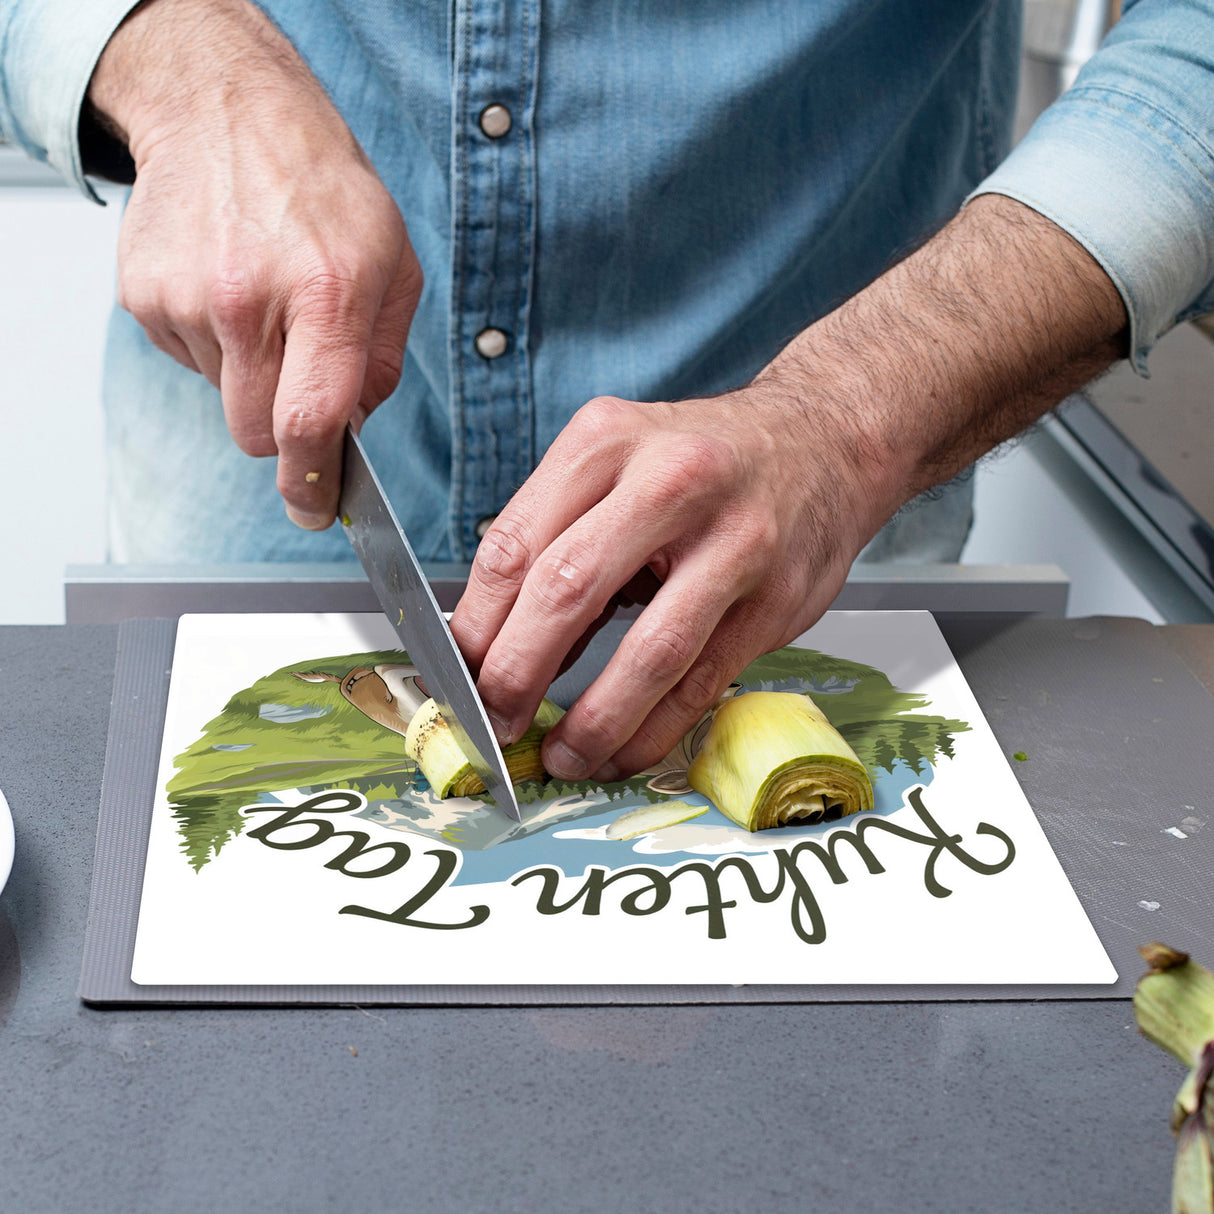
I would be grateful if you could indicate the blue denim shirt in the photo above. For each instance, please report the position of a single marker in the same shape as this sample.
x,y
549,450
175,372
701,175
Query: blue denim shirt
x,y
682,188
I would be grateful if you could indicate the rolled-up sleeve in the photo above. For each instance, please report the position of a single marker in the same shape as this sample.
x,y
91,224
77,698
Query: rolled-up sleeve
x,y
1124,162
48,50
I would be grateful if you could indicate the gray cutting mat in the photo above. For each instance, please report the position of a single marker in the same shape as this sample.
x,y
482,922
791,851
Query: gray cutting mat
x,y
1115,727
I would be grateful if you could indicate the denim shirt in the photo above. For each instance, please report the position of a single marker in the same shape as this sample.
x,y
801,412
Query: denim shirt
x,y
669,192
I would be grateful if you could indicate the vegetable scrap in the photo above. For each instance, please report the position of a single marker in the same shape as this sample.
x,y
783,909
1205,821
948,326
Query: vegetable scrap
x,y
1174,1007
648,818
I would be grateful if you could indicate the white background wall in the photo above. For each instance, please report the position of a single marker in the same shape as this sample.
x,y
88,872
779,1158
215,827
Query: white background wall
x,y
56,284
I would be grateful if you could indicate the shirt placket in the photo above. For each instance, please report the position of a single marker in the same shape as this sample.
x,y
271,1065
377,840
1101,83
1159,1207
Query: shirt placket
x,y
493,213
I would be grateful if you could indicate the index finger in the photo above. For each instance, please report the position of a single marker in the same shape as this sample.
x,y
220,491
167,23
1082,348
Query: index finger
x,y
564,594
575,474
318,392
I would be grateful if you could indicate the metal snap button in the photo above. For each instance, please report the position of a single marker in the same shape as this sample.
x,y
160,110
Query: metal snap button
x,y
496,121
491,343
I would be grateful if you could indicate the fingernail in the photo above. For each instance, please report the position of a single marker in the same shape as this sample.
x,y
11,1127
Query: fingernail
x,y
607,774
502,729
564,763
309,521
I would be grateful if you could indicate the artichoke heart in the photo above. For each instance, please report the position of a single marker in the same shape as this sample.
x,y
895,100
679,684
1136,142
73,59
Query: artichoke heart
x,y
772,757
430,743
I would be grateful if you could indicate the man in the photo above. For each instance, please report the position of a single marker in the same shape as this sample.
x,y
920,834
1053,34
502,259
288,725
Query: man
x,y
611,200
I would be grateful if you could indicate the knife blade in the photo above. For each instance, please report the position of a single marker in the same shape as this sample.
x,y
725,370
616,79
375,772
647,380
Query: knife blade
x,y
403,592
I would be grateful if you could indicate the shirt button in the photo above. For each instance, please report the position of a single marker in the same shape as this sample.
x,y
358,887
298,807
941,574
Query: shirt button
x,y
483,526
496,121
491,343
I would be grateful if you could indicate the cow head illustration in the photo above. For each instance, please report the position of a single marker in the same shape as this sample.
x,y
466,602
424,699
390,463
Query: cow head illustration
x,y
388,693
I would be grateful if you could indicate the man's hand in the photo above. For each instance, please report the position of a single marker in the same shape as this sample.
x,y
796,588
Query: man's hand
x,y
750,507
745,506
259,246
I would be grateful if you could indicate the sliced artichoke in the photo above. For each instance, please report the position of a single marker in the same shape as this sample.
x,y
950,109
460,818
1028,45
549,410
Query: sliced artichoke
x,y
772,757
431,744
648,818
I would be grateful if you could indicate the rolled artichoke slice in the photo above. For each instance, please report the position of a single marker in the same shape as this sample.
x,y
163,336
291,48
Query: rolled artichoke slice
x,y
430,743
772,757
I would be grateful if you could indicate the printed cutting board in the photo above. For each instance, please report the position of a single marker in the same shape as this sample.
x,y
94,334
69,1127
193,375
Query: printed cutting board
x,y
293,841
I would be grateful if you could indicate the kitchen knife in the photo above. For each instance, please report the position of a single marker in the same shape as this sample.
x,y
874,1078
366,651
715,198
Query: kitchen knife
x,y
411,608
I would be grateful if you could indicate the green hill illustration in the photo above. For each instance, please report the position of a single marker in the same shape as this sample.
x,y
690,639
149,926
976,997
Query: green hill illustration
x,y
300,727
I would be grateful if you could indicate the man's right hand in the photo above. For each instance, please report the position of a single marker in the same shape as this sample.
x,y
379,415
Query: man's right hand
x,y
259,246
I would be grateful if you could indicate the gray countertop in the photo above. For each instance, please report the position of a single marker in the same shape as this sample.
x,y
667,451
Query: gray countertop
x,y
919,1106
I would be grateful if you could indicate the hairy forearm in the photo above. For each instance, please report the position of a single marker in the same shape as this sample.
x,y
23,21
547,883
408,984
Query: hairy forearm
x,y
175,64
962,345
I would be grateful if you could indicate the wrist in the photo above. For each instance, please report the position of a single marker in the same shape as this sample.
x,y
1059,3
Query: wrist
x,y
174,63
961,346
841,407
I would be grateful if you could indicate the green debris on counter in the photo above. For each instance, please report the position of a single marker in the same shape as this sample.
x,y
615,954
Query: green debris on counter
x,y
1174,1007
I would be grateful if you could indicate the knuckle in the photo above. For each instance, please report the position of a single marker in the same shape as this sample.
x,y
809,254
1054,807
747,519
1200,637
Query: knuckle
x,y
692,476
332,295
329,282
757,535
596,729
695,691
156,302
233,304
656,737
306,425
504,554
667,496
501,680
562,583
168,344
663,650
604,417
383,374
140,297
698,459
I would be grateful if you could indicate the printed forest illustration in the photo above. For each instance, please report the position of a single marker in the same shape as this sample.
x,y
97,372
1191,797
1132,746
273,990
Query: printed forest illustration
x,y
320,724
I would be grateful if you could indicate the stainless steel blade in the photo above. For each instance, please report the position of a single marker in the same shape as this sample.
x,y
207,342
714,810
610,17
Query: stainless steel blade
x,y
411,608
